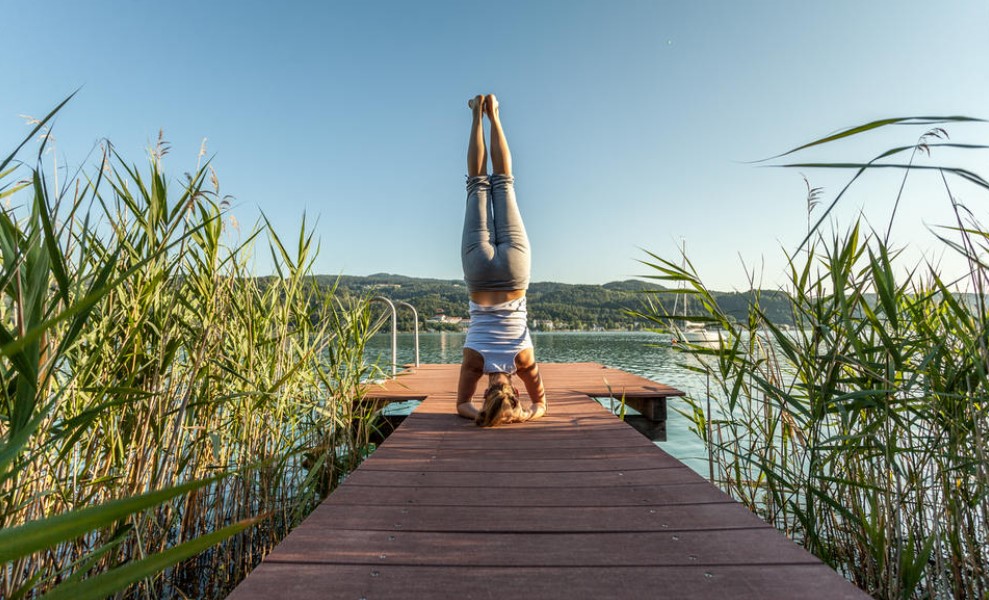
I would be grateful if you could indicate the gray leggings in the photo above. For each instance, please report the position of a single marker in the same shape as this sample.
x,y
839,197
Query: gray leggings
x,y
495,255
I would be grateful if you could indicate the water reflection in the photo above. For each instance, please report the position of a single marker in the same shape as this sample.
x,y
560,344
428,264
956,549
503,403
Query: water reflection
x,y
647,354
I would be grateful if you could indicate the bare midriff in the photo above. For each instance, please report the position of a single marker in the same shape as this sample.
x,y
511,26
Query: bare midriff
x,y
493,297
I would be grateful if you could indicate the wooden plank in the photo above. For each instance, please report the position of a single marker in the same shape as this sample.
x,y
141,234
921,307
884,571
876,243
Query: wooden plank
x,y
376,477
590,441
670,518
520,497
372,582
757,546
575,505
584,465
510,453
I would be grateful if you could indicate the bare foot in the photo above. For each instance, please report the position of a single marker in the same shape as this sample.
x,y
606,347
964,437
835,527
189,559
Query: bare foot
x,y
491,106
476,103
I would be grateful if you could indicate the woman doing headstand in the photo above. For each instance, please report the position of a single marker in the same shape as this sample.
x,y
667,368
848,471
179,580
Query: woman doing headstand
x,y
495,253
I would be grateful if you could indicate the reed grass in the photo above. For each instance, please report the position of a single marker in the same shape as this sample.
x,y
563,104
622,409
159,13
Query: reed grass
x,y
165,415
860,432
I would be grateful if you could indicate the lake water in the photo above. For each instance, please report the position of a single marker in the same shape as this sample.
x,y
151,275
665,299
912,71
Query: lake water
x,y
647,354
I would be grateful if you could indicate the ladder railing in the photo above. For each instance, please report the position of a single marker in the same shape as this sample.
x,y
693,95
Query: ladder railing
x,y
415,326
394,329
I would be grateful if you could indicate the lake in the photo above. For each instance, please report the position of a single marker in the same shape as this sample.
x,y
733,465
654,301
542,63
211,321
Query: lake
x,y
642,353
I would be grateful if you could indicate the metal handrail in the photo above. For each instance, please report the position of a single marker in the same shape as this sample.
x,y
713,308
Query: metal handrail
x,y
394,329
394,333
415,321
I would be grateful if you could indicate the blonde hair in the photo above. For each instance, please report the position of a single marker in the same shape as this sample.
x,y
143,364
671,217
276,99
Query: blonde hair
x,y
501,405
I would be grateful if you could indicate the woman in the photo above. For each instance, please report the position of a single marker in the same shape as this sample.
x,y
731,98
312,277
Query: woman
x,y
495,253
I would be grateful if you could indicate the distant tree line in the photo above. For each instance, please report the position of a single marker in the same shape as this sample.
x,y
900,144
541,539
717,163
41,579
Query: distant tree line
x,y
559,306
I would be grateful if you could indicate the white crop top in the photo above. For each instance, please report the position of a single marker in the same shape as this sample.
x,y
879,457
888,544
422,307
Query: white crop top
x,y
498,333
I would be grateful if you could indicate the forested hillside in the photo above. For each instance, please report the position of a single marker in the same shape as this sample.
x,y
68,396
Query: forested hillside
x,y
551,305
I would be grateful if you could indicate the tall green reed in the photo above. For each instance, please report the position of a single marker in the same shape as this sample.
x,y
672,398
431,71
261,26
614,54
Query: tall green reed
x,y
165,415
860,432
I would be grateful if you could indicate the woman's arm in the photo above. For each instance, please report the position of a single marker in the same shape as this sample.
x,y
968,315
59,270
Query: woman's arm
x,y
528,372
471,371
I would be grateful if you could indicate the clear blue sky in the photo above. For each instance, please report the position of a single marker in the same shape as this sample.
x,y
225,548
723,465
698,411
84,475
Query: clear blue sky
x,y
630,121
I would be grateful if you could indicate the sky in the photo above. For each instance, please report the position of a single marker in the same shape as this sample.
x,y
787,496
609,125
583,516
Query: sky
x,y
634,125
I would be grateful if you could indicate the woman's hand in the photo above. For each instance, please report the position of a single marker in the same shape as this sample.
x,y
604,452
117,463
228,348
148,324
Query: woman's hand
x,y
537,410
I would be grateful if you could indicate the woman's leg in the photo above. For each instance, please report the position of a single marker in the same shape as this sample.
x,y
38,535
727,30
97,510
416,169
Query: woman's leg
x,y
510,235
476,154
477,244
501,157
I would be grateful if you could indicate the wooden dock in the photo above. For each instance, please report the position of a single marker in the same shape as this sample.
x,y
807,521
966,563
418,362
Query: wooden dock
x,y
575,505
